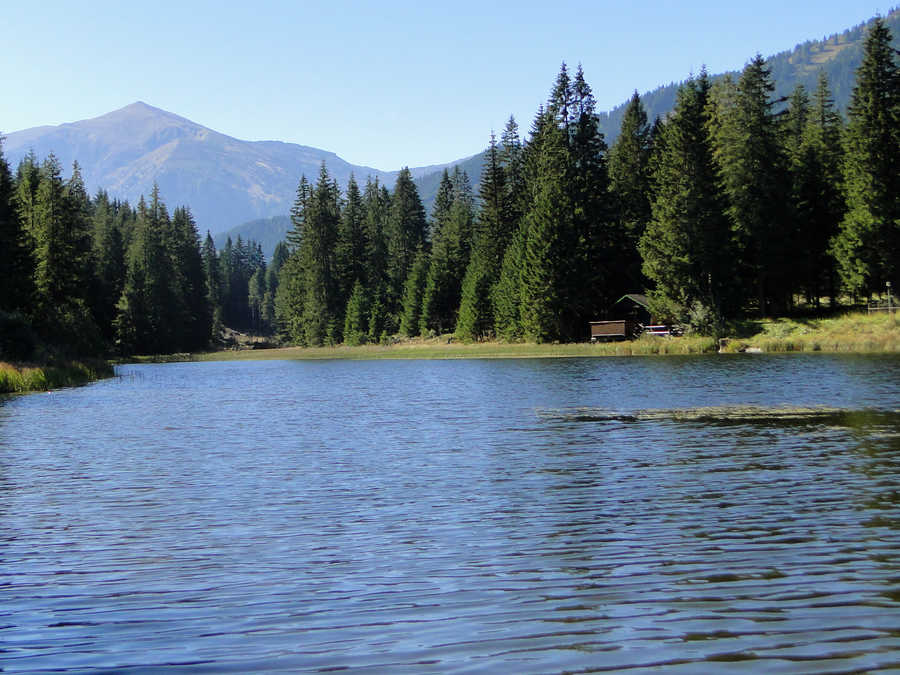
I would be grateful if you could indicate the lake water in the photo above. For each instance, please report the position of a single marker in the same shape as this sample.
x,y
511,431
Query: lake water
x,y
508,516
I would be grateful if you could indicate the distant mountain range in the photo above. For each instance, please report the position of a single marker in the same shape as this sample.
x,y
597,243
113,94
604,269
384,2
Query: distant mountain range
x,y
246,188
225,181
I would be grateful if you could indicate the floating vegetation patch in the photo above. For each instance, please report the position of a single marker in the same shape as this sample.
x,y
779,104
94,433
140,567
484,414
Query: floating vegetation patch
x,y
732,415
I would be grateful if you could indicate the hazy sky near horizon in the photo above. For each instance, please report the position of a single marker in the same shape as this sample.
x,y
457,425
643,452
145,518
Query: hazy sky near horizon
x,y
384,84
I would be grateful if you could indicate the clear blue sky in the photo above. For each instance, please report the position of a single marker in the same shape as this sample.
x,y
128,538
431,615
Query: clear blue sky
x,y
381,84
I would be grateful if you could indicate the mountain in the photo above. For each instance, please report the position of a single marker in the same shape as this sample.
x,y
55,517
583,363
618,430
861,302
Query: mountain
x,y
225,181
228,182
839,55
266,232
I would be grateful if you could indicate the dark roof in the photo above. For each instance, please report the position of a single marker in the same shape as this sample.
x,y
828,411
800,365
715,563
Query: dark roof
x,y
637,298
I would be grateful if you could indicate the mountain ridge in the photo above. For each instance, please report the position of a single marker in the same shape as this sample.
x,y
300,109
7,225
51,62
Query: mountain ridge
x,y
228,182
224,180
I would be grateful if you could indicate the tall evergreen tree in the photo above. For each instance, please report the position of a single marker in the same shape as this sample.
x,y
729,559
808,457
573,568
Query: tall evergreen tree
x,y
752,171
376,203
814,152
405,232
187,261
15,259
356,317
866,248
546,262
450,250
144,322
629,173
413,290
321,310
351,244
686,248
476,313
108,256
213,274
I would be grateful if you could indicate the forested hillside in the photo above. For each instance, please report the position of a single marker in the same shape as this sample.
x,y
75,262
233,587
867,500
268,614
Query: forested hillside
x,y
736,203
838,55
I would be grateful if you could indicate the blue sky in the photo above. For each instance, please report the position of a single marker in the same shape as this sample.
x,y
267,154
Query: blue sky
x,y
381,84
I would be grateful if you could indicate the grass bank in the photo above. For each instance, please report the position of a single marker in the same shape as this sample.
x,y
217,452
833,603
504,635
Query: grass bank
x,y
439,348
856,332
21,378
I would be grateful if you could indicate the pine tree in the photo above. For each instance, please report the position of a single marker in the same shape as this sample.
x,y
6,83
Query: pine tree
x,y
629,173
597,248
413,290
686,248
506,295
213,276
321,311
187,261
813,149
476,313
15,261
356,317
550,227
351,244
866,248
405,232
376,204
752,171
450,251
145,321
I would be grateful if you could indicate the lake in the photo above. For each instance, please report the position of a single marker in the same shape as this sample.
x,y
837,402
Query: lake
x,y
726,513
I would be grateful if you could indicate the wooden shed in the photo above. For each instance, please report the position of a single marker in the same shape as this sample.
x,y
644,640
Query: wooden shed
x,y
619,329
634,306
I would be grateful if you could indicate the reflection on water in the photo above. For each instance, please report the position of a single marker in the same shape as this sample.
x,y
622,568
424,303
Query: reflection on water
x,y
692,515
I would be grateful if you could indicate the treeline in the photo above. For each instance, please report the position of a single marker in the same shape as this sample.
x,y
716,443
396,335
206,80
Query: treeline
x,y
82,276
735,203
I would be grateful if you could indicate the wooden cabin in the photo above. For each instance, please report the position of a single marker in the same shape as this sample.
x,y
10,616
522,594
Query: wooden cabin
x,y
635,318
619,329
634,306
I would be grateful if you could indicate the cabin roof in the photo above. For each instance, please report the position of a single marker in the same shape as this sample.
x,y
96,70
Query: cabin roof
x,y
637,298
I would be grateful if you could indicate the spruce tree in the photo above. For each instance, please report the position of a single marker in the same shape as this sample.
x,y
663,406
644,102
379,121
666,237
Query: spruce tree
x,y
450,251
476,314
752,171
351,244
213,276
686,248
550,226
15,260
321,310
413,290
405,232
813,148
866,248
629,173
356,317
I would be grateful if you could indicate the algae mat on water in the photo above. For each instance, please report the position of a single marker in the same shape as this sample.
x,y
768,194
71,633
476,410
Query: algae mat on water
x,y
731,415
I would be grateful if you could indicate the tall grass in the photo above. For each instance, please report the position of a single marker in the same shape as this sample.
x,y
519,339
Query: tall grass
x,y
16,379
856,332
441,349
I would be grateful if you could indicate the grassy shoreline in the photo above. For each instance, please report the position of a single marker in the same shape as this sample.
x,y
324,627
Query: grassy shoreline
x,y
857,333
852,333
19,378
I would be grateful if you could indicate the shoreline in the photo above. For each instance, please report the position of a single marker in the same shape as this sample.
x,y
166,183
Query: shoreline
x,y
23,378
857,333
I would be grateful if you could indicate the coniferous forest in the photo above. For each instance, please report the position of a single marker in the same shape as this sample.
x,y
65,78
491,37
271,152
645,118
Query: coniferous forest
x,y
735,204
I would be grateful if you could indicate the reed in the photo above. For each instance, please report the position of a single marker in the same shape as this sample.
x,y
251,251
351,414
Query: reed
x,y
856,332
21,378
